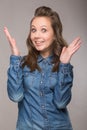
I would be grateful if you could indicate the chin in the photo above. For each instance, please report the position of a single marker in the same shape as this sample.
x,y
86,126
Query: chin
x,y
39,49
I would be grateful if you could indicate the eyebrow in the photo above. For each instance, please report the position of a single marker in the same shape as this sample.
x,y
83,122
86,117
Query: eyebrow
x,y
41,26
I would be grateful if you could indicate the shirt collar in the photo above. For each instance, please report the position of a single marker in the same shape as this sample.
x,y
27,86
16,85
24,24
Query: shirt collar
x,y
48,59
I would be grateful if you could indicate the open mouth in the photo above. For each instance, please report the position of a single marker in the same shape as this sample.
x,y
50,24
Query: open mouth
x,y
39,43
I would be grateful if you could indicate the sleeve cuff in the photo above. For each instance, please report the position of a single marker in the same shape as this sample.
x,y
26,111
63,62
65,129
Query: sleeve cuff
x,y
15,60
65,68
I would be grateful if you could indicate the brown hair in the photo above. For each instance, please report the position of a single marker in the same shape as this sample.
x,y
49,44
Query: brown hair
x,y
58,43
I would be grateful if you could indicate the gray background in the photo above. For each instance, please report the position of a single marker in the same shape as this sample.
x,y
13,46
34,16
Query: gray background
x,y
16,15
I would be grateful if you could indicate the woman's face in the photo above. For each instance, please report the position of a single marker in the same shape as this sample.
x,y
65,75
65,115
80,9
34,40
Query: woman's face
x,y
42,35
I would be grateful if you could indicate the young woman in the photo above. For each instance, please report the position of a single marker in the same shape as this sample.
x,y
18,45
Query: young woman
x,y
41,81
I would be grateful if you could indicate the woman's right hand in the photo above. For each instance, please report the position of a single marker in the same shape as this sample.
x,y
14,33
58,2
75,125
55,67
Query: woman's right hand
x,y
12,43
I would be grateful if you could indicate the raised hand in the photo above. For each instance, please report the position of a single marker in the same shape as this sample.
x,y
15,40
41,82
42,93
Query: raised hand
x,y
67,52
12,43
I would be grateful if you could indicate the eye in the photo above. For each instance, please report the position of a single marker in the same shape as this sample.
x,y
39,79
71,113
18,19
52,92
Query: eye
x,y
44,30
33,30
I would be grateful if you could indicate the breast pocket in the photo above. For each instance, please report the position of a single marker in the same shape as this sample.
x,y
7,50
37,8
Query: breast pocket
x,y
51,81
31,79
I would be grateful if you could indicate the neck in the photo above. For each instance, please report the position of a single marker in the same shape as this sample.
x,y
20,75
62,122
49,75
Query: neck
x,y
45,55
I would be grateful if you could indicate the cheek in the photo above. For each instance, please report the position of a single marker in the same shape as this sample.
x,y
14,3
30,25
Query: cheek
x,y
31,37
49,37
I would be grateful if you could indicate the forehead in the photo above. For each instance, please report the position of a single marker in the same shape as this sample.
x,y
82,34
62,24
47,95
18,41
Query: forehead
x,y
41,21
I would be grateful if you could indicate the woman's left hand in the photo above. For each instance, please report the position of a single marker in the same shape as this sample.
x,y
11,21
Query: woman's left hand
x,y
67,52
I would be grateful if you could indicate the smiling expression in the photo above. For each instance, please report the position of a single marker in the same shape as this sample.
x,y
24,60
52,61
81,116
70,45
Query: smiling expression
x,y
42,35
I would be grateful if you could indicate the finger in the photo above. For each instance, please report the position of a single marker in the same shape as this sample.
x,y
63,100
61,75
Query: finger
x,y
76,48
79,42
75,42
7,34
63,50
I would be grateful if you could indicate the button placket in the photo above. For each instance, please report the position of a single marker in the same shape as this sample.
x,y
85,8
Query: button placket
x,y
44,67
42,95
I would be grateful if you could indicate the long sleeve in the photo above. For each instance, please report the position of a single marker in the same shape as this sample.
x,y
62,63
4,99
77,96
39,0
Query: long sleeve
x,y
15,81
62,92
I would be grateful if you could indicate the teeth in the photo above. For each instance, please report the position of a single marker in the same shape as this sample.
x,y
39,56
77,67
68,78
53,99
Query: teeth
x,y
39,42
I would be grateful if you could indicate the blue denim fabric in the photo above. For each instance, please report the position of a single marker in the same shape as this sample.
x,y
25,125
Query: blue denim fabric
x,y
42,97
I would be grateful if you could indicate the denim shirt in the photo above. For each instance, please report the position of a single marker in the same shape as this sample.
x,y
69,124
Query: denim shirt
x,y
43,96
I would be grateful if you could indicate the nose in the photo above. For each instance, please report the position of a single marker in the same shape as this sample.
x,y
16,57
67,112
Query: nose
x,y
37,34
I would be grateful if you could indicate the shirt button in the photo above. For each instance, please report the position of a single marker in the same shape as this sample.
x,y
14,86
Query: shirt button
x,y
43,106
41,94
43,74
41,82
